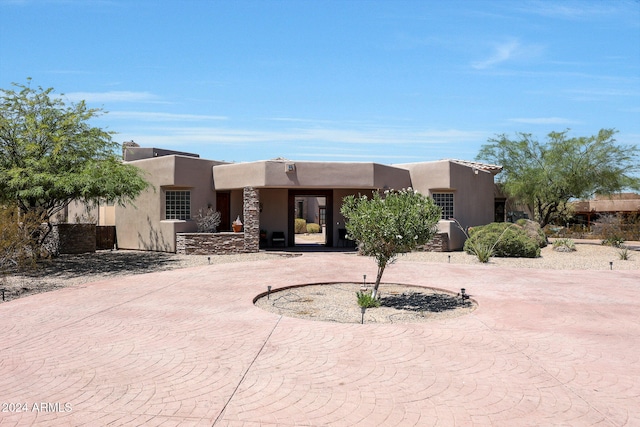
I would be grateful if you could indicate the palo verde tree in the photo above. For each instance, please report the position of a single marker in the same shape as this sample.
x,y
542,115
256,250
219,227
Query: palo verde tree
x,y
390,224
50,155
546,176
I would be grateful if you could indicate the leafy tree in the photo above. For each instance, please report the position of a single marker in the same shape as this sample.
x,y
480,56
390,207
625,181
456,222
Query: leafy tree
x,y
387,226
50,155
546,176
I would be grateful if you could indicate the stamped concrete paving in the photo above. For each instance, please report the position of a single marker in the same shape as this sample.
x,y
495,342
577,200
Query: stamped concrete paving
x,y
187,347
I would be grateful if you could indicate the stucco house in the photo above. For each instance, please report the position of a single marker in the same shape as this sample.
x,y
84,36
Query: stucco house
x,y
588,211
267,195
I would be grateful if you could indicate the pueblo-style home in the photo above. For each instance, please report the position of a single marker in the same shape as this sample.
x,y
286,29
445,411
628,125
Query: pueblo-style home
x,y
269,195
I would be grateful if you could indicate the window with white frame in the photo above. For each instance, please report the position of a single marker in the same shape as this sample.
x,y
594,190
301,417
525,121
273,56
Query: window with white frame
x,y
445,201
177,204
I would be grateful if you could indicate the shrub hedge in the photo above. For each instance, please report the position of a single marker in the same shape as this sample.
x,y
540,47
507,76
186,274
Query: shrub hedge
x,y
509,240
312,227
300,226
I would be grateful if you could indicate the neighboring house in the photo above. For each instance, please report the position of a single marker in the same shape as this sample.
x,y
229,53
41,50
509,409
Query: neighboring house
x,y
588,211
184,183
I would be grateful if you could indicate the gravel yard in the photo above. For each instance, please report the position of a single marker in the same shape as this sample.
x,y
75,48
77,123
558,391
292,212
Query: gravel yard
x,y
586,257
74,270
337,303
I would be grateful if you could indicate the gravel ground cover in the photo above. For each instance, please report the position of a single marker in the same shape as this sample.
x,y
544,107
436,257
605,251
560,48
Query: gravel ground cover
x,y
75,270
336,302
585,257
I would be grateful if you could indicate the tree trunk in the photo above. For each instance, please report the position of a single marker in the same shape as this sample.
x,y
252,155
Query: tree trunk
x,y
374,293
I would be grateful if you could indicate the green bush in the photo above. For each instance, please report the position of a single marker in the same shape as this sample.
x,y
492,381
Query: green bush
x,y
312,227
534,231
508,240
483,251
367,300
301,226
615,241
624,254
564,245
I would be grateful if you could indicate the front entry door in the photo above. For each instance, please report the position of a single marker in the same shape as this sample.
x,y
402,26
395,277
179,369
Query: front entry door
x,y
223,205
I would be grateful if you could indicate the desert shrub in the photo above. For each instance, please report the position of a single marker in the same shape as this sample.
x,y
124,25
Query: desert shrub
x,y
615,241
564,245
624,254
312,227
367,300
507,240
19,236
534,231
300,226
207,221
483,251
609,228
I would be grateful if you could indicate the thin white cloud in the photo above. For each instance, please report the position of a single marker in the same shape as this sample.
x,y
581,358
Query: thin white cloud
x,y
596,94
544,121
296,120
172,136
162,117
112,96
508,51
502,52
61,2
576,10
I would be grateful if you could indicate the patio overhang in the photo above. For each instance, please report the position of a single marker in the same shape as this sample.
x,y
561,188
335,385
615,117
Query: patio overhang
x,y
293,174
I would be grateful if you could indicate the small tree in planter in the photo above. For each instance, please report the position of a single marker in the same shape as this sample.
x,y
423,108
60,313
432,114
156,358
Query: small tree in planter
x,y
387,225
207,221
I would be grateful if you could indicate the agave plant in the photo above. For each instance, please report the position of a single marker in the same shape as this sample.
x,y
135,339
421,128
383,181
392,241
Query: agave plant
x,y
623,253
367,300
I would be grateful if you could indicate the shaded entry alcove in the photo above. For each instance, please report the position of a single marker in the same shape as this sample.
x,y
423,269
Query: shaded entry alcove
x,y
291,213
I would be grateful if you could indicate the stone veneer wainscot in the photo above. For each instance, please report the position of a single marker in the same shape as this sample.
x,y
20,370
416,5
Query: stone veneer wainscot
x,y
227,243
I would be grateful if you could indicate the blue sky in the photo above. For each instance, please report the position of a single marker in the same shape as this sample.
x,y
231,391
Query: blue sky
x,y
352,80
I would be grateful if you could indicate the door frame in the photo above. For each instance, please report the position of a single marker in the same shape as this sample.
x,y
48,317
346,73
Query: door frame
x,y
291,213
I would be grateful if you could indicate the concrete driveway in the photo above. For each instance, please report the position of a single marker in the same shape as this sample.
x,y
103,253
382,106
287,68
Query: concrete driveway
x,y
187,347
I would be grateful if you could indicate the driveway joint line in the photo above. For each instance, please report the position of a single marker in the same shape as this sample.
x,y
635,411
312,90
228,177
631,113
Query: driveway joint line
x,y
246,372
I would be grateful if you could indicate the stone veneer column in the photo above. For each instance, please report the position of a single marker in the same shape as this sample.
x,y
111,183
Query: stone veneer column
x,y
251,213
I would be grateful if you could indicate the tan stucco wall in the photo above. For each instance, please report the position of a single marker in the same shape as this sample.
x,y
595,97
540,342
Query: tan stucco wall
x,y
143,226
107,215
473,194
78,212
604,204
274,210
273,174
